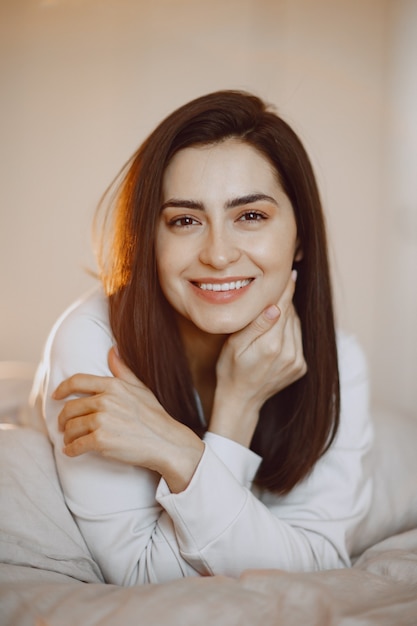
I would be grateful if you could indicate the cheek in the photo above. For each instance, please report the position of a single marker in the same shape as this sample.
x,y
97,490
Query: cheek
x,y
277,255
163,252
277,261
169,265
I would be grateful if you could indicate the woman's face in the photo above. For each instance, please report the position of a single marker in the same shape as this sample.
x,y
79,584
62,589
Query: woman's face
x,y
226,237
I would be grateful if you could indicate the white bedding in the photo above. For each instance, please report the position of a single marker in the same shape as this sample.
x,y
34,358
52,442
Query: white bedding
x,y
47,576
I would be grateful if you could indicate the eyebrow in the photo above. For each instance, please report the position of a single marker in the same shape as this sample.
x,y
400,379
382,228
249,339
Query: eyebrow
x,y
230,204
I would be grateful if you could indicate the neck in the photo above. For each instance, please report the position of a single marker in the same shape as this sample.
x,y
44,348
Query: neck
x,y
202,351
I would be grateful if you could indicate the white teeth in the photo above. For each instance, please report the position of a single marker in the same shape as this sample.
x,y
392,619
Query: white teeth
x,y
237,284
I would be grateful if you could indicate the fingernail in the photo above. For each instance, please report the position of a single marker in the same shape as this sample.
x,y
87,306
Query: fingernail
x,y
272,312
294,275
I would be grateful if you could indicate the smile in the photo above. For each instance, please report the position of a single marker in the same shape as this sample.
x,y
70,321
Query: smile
x,y
232,286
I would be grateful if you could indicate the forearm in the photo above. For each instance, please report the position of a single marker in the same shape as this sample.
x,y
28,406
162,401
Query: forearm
x,y
220,523
135,547
128,534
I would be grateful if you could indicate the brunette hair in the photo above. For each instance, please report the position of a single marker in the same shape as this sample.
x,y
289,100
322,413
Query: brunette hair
x,y
297,425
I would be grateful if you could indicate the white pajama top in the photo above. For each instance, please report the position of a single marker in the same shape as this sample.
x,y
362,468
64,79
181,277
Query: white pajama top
x,y
140,532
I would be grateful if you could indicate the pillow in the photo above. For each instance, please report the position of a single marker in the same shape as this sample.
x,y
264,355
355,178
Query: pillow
x,y
16,379
394,468
36,528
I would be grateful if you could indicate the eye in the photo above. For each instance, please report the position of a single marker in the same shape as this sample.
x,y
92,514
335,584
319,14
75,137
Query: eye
x,y
252,216
183,221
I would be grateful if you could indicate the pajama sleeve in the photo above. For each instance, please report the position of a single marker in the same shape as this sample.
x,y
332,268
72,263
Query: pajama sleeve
x,y
139,532
128,533
221,523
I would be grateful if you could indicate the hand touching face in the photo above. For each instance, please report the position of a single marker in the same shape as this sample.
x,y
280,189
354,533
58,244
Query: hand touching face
x,y
256,363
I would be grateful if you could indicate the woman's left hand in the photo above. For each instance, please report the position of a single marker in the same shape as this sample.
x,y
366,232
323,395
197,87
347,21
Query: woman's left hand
x,y
121,418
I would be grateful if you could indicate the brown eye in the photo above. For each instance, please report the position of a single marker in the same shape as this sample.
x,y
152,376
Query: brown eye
x,y
252,216
183,221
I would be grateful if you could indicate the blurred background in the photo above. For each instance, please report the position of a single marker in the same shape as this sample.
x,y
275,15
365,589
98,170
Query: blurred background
x,y
83,82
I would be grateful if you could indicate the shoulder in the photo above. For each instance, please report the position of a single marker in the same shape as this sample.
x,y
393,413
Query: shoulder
x,y
351,358
355,428
91,308
79,342
81,338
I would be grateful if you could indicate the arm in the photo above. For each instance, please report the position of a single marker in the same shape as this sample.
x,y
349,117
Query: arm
x,y
219,526
128,533
311,528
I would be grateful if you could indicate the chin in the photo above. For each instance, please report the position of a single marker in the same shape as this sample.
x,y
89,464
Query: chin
x,y
225,327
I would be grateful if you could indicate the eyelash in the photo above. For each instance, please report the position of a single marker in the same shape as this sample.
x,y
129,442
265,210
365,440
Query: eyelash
x,y
247,216
178,222
258,216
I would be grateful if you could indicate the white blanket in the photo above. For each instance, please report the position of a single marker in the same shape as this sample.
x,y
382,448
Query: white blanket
x,y
47,576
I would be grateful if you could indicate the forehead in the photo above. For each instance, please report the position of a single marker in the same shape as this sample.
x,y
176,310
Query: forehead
x,y
228,164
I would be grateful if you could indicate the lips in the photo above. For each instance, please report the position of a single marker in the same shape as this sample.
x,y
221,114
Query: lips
x,y
233,285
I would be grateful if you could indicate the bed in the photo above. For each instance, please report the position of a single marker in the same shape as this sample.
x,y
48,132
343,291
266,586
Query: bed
x,y
48,578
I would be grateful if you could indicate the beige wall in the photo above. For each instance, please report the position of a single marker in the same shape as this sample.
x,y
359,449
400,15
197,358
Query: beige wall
x,y
394,356
84,81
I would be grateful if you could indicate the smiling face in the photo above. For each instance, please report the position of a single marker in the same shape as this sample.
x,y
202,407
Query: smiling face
x,y
226,237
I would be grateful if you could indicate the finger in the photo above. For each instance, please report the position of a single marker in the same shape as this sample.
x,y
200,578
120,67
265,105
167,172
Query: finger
x,y
87,443
260,325
119,369
77,408
285,301
267,319
76,428
80,384
293,344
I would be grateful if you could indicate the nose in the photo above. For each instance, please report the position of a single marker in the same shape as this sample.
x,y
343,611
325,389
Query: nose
x,y
219,249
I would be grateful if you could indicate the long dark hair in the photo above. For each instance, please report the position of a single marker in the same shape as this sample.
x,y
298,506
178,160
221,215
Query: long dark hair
x,y
297,425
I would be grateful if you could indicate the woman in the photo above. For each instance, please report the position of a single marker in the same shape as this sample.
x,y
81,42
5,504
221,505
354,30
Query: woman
x,y
194,406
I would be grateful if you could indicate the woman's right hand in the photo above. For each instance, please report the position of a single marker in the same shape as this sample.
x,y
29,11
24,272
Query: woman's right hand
x,y
120,418
255,364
